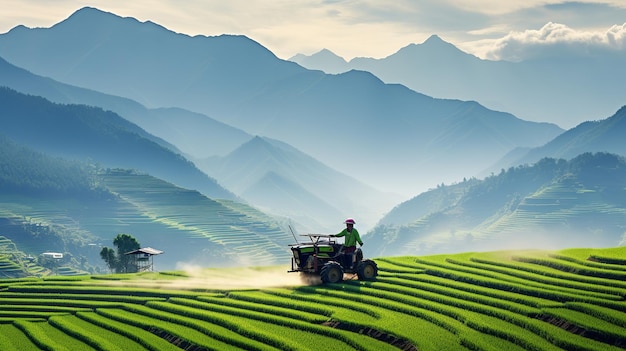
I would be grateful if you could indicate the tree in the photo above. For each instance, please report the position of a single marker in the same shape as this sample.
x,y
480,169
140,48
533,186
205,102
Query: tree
x,y
120,262
108,255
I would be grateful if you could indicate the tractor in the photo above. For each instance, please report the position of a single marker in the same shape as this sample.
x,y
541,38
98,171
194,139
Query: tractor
x,y
322,255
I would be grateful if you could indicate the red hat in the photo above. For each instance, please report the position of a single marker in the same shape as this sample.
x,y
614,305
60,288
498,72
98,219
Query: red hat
x,y
349,221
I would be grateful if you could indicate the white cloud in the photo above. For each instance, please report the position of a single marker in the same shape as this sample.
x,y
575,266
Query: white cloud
x,y
555,39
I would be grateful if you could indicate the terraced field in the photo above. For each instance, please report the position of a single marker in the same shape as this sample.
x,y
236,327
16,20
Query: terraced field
x,y
186,225
532,300
14,263
241,233
556,205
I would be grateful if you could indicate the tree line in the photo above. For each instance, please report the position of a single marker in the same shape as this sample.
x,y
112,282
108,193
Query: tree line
x,y
29,172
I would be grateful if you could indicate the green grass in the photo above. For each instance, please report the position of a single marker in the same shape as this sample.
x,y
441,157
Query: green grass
x,y
496,301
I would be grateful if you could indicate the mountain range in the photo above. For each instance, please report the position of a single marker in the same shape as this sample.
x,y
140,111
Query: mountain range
x,y
554,89
216,147
385,135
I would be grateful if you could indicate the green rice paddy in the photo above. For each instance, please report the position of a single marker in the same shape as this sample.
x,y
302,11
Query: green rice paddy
x,y
530,300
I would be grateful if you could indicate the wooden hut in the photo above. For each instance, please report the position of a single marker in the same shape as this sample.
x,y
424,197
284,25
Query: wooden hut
x,y
144,258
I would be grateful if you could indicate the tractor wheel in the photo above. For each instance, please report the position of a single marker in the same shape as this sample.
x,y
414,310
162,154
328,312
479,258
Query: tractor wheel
x,y
367,270
331,273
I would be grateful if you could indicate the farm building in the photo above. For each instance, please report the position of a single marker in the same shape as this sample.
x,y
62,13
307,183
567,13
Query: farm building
x,y
52,255
144,258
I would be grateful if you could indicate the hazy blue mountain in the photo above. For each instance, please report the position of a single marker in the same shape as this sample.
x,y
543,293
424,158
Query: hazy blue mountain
x,y
283,180
193,134
202,138
89,133
554,89
553,203
385,135
145,62
325,59
606,135
273,193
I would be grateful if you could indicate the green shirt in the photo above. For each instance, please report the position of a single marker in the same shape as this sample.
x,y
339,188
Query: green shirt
x,y
351,237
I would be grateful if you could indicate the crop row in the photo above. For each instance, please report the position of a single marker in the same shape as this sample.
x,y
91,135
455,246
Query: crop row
x,y
506,279
618,265
442,285
450,318
591,324
542,274
457,272
456,302
608,260
475,314
565,266
272,333
460,270
607,314
12,338
205,316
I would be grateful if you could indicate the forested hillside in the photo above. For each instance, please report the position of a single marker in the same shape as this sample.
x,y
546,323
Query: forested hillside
x,y
552,203
89,133
605,135
75,208
25,171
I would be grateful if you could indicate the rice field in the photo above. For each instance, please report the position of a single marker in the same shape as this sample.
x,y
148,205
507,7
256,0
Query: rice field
x,y
527,300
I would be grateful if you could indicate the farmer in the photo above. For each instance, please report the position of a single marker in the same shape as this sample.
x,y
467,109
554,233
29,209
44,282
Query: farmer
x,y
352,237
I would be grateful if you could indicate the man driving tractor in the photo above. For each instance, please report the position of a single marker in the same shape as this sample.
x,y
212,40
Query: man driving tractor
x,y
330,259
351,238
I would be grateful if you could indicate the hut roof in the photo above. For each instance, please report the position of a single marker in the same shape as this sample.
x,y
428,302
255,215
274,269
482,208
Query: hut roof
x,y
145,250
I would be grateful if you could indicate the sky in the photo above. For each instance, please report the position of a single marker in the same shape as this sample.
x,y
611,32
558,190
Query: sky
x,y
491,29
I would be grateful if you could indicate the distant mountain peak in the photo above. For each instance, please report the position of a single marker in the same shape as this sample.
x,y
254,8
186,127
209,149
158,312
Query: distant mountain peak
x,y
257,145
331,62
324,54
88,16
435,39
435,47
18,28
88,13
329,54
257,141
